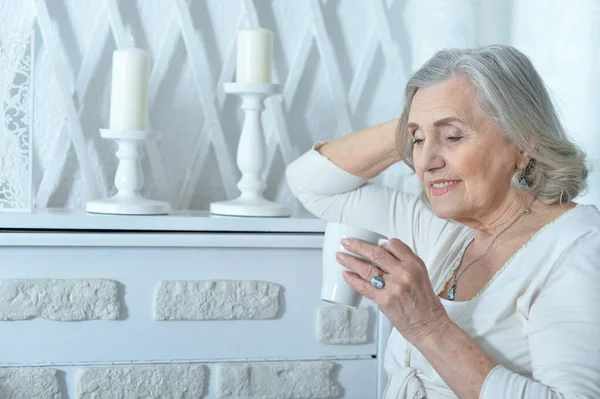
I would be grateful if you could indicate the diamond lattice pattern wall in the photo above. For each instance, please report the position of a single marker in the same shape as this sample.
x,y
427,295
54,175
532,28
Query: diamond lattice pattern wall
x,y
344,64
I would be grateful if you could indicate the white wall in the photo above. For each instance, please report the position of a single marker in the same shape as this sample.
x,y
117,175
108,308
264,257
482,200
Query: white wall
x,y
344,63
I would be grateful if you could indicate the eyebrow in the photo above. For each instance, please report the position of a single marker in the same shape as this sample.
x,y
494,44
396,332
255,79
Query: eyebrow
x,y
440,122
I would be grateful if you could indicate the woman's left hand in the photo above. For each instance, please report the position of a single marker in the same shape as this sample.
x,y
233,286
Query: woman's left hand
x,y
407,297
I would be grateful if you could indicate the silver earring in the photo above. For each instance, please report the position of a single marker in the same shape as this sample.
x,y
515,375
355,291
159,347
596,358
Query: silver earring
x,y
523,183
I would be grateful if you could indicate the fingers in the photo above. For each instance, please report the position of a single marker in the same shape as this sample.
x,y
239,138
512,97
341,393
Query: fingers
x,y
358,266
360,285
377,255
399,249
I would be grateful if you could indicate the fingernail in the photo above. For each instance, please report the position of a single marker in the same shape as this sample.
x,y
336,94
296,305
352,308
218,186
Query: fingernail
x,y
345,241
340,256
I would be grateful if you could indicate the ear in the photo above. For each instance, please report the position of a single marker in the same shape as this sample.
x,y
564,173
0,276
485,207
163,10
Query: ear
x,y
523,159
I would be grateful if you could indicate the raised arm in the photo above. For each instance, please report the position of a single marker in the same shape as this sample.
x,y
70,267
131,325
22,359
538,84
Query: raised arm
x,y
365,153
331,181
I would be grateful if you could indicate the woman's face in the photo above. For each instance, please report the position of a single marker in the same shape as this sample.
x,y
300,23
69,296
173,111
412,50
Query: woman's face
x,y
460,156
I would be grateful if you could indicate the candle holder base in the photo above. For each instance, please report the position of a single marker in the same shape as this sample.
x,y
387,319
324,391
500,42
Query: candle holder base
x,y
128,205
257,206
129,178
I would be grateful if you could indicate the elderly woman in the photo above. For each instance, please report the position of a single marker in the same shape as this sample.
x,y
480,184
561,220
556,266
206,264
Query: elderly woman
x,y
492,277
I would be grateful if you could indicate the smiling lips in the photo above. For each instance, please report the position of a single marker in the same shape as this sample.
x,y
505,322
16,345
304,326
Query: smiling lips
x,y
441,187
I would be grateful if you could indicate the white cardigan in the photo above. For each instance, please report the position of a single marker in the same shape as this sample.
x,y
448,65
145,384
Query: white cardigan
x,y
539,317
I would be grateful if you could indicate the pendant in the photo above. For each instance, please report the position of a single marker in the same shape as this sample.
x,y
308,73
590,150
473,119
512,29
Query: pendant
x,y
450,295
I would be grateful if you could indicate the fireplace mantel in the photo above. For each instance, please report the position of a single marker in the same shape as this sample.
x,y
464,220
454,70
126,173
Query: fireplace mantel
x,y
69,250
178,221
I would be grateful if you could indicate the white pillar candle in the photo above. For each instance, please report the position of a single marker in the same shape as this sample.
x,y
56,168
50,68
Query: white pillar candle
x,y
129,89
254,56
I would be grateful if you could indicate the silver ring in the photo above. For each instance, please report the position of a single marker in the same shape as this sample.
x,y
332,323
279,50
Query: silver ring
x,y
377,282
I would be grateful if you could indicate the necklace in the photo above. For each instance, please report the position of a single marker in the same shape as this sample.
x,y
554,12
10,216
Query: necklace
x,y
452,293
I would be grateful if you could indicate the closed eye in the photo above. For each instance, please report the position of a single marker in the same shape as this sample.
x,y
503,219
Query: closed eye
x,y
455,139
417,136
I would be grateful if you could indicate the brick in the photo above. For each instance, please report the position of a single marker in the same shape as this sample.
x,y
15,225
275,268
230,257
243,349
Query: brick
x,y
29,383
57,299
148,382
338,325
296,380
216,300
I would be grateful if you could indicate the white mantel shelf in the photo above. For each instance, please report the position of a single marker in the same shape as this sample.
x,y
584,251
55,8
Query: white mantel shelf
x,y
178,221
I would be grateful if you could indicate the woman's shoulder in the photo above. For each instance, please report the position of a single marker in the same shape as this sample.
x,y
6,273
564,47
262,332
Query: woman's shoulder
x,y
576,239
590,210
577,221
580,221
574,276
560,242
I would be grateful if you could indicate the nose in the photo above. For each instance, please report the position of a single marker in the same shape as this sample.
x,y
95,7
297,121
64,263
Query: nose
x,y
429,158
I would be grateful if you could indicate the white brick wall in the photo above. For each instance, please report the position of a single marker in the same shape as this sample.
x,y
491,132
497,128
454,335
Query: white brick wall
x,y
296,380
216,300
29,383
339,325
64,300
148,382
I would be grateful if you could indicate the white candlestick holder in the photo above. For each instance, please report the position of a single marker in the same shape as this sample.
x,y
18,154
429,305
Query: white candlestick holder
x,y
129,178
251,156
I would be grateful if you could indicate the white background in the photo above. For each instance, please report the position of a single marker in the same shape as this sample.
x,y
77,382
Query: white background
x,y
344,64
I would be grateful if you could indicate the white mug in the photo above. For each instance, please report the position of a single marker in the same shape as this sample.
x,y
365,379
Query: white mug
x,y
334,289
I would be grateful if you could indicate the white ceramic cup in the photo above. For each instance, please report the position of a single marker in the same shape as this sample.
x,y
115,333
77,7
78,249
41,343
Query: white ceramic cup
x,y
334,289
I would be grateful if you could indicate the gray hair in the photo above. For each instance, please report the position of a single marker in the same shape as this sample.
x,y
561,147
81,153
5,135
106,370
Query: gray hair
x,y
510,92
